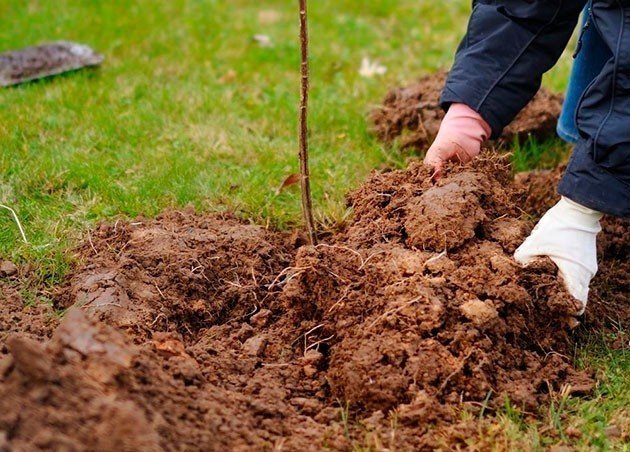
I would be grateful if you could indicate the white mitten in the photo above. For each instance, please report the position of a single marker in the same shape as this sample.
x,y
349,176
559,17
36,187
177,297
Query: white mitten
x,y
567,234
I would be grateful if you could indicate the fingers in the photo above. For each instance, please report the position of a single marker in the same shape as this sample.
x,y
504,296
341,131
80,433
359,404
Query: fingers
x,y
437,173
442,151
438,154
434,162
459,138
460,154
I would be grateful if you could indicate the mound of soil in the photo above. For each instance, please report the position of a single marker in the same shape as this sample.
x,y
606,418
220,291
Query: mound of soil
x,y
412,115
68,392
179,272
205,333
172,341
426,306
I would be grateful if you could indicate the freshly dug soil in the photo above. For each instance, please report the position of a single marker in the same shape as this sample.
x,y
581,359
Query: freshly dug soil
x,y
411,115
180,272
35,320
538,190
206,333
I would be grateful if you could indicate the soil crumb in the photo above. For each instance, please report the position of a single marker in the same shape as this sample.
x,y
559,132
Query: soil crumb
x,y
203,332
411,115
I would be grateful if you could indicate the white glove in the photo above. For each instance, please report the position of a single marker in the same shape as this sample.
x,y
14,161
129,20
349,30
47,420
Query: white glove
x,y
567,234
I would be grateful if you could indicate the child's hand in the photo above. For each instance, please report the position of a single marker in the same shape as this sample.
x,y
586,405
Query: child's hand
x,y
460,137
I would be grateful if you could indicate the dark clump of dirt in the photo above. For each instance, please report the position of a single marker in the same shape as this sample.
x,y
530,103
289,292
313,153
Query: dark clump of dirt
x,y
67,392
411,115
206,333
174,340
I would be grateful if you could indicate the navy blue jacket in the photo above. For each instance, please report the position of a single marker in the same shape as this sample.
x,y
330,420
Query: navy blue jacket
x,y
498,68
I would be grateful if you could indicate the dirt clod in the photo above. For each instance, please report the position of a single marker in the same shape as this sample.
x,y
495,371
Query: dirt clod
x,y
7,269
479,312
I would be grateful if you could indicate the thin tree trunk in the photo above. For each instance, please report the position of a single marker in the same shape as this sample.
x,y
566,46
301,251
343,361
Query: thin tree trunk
x,y
305,183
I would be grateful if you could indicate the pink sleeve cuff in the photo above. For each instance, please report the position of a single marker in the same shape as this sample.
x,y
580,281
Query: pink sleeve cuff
x,y
464,120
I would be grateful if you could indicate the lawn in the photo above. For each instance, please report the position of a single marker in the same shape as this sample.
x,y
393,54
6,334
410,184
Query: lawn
x,y
188,109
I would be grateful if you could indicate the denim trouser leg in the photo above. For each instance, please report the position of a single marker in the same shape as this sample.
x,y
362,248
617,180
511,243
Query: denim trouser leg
x,y
587,65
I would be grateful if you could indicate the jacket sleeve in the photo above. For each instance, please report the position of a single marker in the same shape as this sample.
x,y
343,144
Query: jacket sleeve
x,y
508,46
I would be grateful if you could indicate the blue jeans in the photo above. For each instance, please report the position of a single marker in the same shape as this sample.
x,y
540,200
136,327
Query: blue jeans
x,y
588,63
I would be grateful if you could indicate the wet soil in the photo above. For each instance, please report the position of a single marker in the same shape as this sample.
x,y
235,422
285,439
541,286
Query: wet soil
x,y
411,115
204,332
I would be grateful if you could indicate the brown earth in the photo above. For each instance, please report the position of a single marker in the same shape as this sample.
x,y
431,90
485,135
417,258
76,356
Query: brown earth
x,y
411,115
36,320
206,333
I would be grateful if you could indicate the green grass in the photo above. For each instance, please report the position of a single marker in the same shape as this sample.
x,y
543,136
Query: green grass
x,y
540,155
188,110
597,423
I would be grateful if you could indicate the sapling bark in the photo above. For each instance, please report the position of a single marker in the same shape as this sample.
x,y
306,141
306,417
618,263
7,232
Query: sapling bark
x,y
305,182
